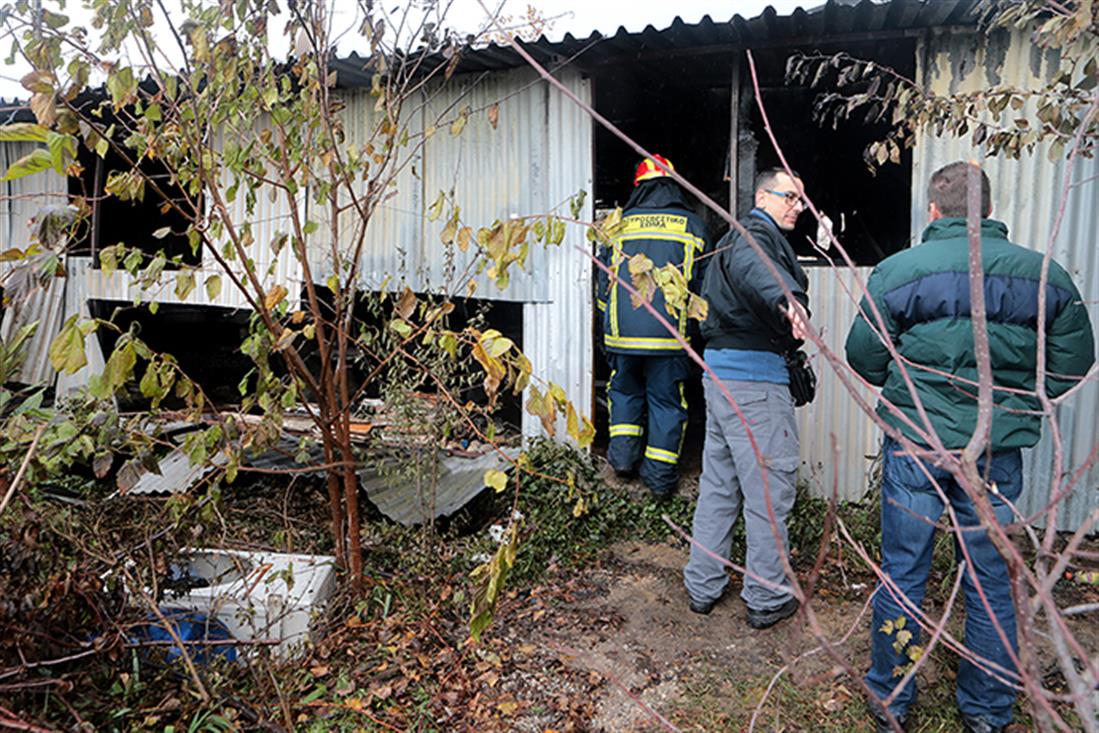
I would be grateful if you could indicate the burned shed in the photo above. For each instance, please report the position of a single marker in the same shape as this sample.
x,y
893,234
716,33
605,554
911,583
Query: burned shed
x,y
687,91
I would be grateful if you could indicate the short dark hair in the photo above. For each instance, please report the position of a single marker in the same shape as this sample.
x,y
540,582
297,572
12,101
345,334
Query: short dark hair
x,y
947,189
766,178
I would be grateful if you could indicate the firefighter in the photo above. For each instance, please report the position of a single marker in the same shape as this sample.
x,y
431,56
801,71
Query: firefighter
x,y
648,365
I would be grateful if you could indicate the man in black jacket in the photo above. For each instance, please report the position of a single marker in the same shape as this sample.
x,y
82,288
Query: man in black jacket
x,y
750,326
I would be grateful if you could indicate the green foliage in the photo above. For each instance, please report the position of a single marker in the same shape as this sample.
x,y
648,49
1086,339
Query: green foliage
x,y
58,154
557,479
489,580
12,353
67,350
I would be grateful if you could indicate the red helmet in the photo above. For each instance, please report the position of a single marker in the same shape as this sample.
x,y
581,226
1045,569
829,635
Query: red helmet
x,y
649,169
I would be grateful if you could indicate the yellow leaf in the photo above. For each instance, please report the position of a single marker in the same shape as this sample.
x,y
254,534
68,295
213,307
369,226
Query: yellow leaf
x,y
274,296
464,237
459,123
213,287
572,422
449,232
587,433
507,708
496,345
697,307
495,479
639,264
406,304
436,209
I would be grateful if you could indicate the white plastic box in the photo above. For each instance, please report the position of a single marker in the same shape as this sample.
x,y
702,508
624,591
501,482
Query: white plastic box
x,y
258,596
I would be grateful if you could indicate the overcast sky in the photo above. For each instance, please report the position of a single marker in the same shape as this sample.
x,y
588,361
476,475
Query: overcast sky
x,y
579,17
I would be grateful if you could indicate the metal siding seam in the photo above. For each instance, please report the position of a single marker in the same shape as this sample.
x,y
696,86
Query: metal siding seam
x,y
557,334
835,412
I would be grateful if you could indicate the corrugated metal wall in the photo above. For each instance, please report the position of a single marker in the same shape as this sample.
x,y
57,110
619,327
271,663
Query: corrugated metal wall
x,y
25,196
1026,195
490,173
532,162
84,282
22,198
834,416
557,334
391,243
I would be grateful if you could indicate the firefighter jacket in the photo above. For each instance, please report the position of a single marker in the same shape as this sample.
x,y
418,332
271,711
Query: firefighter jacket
x,y
658,224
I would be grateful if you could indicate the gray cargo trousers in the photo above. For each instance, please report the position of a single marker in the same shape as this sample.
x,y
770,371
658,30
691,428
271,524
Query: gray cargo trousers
x,y
732,481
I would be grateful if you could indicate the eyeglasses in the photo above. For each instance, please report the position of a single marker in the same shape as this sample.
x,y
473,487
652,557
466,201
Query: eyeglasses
x,y
792,198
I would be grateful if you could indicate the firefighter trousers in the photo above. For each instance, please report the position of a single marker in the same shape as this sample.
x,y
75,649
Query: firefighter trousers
x,y
648,416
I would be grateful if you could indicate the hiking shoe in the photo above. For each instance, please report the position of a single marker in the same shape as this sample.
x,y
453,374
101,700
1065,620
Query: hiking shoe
x,y
770,617
881,723
974,724
626,472
703,608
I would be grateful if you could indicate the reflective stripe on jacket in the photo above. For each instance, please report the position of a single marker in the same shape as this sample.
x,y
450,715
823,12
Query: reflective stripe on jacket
x,y
665,236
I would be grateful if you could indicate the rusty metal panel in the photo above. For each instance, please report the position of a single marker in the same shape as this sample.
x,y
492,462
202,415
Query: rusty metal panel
x,y
1026,195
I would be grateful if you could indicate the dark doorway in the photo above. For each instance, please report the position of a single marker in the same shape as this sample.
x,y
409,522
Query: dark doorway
x,y
676,105
148,222
205,341
870,207
373,314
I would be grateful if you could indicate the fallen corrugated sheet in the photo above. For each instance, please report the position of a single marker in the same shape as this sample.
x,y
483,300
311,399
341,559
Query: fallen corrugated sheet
x,y
458,481
286,454
175,474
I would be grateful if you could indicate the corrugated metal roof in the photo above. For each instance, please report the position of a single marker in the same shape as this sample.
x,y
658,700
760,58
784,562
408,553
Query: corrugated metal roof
x,y
835,18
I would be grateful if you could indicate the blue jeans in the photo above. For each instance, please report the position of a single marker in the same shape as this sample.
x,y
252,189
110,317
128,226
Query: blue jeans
x,y
906,546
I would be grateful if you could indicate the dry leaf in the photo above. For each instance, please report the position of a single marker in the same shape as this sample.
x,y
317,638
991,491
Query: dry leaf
x,y
274,296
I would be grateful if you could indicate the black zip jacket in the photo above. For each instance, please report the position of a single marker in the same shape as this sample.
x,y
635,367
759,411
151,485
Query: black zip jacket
x,y
745,300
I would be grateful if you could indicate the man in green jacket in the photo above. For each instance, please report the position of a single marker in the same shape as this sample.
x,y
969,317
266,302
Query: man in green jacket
x,y
923,297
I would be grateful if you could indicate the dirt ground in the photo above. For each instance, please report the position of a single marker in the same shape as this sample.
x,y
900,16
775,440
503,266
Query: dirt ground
x,y
625,627
615,647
